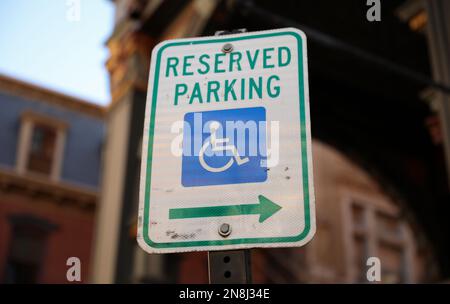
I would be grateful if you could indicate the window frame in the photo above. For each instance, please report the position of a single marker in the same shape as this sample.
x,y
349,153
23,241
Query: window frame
x,y
27,123
42,229
371,205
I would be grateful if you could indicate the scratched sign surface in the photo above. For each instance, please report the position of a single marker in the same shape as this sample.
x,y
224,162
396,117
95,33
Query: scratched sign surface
x,y
226,159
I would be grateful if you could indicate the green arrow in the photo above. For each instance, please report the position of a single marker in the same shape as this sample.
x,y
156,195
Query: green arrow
x,y
266,208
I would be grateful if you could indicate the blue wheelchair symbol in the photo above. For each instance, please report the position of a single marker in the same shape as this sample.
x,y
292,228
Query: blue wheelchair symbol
x,y
230,148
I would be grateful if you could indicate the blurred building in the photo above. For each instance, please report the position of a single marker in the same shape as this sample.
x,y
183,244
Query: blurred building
x,y
49,174
380,178
431,19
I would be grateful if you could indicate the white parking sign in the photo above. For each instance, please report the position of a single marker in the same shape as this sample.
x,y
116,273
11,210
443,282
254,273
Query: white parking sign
x,y
226,159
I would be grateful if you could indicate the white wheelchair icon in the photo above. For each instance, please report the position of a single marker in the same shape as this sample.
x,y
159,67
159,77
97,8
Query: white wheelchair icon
x,y
219,144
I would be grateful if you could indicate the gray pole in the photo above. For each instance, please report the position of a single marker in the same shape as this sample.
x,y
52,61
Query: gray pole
x,y
232,266
229,267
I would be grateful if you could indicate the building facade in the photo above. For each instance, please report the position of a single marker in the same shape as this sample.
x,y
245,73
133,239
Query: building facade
x,y
378,175
50,164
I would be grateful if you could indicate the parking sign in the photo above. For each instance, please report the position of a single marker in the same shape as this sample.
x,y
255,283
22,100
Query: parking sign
x,y
227,144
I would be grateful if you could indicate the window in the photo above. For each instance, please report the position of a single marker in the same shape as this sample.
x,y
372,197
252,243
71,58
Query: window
x,y
41,145
374,229
27,248
42,150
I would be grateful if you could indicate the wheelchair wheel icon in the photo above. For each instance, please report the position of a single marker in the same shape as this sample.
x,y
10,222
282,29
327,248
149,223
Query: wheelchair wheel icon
x,y
219,144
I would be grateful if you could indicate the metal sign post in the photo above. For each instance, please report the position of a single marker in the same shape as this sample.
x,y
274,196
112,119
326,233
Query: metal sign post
x,y
229,267
233,266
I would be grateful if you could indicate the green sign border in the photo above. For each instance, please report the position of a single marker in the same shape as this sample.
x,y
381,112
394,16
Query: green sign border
x,y
303,138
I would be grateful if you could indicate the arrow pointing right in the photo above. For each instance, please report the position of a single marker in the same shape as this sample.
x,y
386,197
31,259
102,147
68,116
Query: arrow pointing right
x,y
266,208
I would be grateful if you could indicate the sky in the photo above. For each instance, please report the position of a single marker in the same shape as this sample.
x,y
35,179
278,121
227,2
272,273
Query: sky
x,y
43,42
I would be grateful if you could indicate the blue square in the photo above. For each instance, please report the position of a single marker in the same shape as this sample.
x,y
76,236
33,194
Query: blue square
x,y
224,147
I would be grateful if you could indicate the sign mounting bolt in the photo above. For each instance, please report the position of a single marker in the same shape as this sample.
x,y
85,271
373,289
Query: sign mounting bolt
x,y
225,230
227,48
